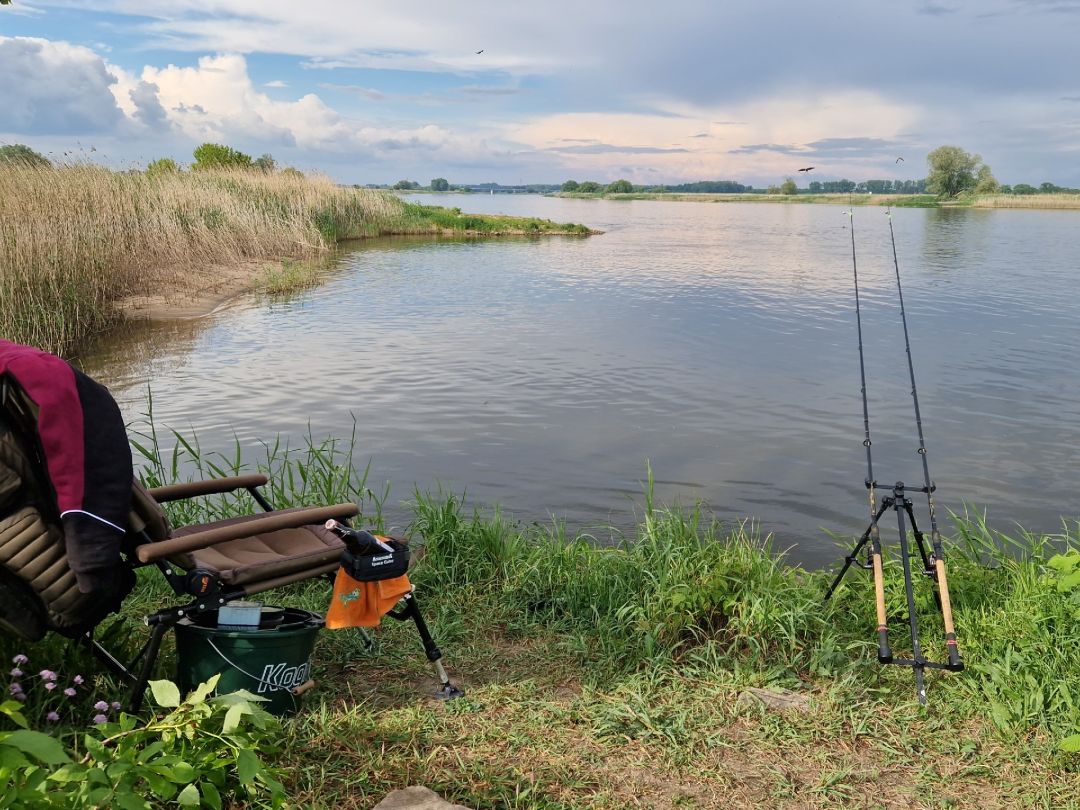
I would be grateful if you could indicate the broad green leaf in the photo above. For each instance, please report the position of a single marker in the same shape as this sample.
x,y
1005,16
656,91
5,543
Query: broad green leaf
x,y
13,710
233,716
94,747
203,690
68,773
166,694
1070,744
11,758
184,772
247,765
40,746
189,797
211,796
129,801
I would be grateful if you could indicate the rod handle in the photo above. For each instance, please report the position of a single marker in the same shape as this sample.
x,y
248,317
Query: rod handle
x,y
884,653
955,663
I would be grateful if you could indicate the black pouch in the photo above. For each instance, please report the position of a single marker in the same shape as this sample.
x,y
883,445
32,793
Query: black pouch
x,y
370,567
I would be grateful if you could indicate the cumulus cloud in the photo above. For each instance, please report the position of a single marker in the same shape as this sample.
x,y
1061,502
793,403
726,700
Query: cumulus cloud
x,y
148,107
54,88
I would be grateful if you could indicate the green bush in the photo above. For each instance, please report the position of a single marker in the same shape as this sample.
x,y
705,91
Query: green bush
x,y
23,155
161,166
200,753
216,156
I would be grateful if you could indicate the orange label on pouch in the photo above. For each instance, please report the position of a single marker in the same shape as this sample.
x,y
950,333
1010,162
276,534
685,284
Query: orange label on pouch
x,y
363,604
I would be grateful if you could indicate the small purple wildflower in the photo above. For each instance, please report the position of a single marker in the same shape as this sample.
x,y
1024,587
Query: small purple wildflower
x,y
52,717
16,673
21,697
19,659
99,719
70,692
116,705
16,688
101,706
77,680
47,675
50,686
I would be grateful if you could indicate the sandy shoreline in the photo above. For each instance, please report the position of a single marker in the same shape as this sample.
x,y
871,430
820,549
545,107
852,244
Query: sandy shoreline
x,y
194,292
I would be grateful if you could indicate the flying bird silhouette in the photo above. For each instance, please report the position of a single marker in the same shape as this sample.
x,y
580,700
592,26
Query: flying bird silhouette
x,y
807,169
480,51
899,159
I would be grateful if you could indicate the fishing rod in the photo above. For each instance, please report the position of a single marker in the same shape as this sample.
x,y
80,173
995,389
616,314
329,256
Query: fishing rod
x,y
933,565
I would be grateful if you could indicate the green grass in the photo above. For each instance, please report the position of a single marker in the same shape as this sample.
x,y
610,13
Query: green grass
x,y
607,676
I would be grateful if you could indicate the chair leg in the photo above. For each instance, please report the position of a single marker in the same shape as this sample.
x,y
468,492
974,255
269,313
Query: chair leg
x,y
446,690
111,662
138,691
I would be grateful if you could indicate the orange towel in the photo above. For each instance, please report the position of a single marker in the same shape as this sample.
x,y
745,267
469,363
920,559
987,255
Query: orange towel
x,y
363,604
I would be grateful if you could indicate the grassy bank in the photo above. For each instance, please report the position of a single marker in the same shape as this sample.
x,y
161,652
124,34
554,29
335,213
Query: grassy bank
x,y
608,677
75,239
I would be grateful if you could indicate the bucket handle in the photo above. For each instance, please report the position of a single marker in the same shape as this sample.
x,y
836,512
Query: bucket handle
x,y
273,686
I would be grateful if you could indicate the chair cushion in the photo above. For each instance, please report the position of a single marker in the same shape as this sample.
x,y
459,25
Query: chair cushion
x,y
262,556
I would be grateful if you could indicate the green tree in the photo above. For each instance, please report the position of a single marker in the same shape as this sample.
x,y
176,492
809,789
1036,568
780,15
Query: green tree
x,y
985,182
405,185
788,186
953,170
156,168
571,185
1024,188
620,187
440,184
22,155
815,186
589,187
216,156
265,162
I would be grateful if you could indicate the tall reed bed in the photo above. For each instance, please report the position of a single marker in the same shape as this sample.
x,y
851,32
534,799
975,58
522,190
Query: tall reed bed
x,y
1046,201
75,238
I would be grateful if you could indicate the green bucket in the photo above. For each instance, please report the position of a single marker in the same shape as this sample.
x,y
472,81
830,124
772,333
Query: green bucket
x,y
268,661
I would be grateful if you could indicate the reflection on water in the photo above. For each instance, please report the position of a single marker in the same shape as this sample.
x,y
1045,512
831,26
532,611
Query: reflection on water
x,y
716,341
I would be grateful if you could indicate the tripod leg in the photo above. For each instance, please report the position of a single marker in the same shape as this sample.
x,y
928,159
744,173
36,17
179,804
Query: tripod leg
x,y
447,690
850,558
920,542
918,664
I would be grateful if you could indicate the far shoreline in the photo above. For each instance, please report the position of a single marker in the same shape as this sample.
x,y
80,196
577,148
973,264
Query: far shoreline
x,y
1050,202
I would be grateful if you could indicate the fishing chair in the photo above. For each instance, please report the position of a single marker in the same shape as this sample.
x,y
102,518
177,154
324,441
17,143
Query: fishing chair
x,y
206,566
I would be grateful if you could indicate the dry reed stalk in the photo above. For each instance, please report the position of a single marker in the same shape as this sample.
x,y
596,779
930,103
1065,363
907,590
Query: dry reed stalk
x,y
75,238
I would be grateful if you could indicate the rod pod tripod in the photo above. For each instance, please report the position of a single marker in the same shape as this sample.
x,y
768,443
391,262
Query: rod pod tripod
x,y
933,564
933,567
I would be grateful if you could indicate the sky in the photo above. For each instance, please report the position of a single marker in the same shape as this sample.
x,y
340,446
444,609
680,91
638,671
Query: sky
x,y
512,92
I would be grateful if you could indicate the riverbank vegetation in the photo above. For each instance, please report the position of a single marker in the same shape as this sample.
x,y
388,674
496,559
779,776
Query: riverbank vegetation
x,y
74,239
609,676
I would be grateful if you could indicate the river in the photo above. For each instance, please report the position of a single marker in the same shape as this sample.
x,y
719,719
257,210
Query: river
x,y
715,341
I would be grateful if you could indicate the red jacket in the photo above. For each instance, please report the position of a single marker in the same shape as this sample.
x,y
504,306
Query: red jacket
x,y
86,452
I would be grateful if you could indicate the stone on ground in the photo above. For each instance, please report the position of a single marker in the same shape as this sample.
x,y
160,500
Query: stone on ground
x,y
416,798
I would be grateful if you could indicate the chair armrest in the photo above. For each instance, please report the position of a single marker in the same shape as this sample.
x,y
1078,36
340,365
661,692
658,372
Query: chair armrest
x,y
214,486
249,528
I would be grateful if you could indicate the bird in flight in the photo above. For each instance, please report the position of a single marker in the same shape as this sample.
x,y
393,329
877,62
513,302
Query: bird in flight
x,y
807,169
479,51
899,159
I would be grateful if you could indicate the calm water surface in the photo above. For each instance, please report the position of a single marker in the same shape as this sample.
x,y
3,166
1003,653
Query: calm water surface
x,y
716,341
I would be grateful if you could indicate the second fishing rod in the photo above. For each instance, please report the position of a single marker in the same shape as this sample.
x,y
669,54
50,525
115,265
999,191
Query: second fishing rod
x,y
933,564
